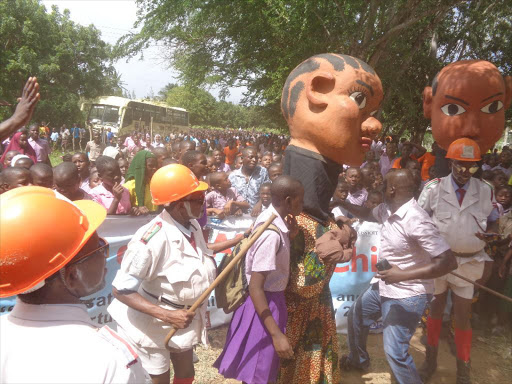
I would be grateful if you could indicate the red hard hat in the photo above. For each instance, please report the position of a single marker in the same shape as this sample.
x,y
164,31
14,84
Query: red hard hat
x,y
40,232
173,182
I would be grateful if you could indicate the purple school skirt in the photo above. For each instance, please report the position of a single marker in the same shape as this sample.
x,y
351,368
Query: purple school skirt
x,y
249,354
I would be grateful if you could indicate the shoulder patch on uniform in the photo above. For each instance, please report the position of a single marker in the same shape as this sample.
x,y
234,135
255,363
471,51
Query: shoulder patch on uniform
x,y
432,182
152,231
488,184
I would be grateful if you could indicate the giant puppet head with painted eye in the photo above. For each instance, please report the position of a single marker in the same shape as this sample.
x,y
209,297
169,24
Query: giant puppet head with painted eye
x,y
468,99
329,102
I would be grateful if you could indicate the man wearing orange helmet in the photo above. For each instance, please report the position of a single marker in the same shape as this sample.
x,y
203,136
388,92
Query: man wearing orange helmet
x,y
49,336
166,267
462,208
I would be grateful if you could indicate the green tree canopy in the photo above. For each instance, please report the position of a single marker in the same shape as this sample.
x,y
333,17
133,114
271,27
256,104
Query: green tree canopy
x,y
205,110
256,43
70,61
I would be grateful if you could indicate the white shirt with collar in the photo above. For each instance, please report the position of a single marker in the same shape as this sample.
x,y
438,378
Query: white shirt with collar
x,y
409,238
59,343
163,261
459,223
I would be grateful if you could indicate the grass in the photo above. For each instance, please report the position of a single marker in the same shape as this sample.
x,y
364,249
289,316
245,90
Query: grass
x,y
56,156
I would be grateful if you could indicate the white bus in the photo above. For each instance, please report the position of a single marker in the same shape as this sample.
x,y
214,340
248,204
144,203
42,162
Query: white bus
x,y
123,116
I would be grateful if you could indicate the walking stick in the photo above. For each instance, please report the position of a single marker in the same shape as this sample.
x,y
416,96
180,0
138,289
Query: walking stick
x,y
501,296
223,274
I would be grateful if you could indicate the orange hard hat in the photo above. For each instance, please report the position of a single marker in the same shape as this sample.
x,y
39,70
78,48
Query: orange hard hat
x,y
173,182
464,150
40,232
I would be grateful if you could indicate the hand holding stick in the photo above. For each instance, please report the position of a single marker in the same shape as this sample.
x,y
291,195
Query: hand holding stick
x,y
223,274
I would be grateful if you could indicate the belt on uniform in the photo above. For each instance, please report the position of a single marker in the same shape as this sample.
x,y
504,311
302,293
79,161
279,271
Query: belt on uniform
x,y
466,255
162,299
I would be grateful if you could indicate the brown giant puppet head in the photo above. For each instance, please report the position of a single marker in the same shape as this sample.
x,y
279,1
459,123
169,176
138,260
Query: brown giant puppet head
x,y
468,99
329,102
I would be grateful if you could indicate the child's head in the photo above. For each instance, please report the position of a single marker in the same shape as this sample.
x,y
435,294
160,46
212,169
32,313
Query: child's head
x,y
15,177
81,162
210,164
238,162
367,177
218,156
67,157
160,154
287,195
374,199
493,161
196,161
108,171
266,160
504,196
94,178
151,168
277,157
169,160
66,179
499,179
123,166
353,177
487,175
341,192
370,156
22,162
220,181
42,175
8,158
275,170
266,194
378,181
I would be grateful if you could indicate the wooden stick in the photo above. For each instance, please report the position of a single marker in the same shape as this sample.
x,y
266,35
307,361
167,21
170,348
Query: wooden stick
x,y
501,296
223,274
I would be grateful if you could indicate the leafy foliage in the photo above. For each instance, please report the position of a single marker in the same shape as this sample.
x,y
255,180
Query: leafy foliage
x,y
205,110
256,43
69,60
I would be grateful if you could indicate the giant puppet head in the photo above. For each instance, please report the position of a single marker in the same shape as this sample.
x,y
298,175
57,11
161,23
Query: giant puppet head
x,y
468,99
329,102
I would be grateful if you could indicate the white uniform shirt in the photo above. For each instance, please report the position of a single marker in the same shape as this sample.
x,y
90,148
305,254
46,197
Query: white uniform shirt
x,y
60,344
166,264
459,223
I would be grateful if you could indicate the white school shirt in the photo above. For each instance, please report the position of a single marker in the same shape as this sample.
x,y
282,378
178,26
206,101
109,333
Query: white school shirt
x,y
164,261
59,343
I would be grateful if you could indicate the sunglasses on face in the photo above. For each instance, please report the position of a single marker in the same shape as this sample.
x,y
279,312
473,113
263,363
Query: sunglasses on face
x,y
471,170
103,249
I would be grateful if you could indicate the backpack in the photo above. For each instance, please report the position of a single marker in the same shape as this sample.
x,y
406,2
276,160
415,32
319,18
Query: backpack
x,y
234,289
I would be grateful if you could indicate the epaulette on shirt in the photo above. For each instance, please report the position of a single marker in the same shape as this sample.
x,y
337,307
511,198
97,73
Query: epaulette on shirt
x,y
492,190
431,183
129,354
152,231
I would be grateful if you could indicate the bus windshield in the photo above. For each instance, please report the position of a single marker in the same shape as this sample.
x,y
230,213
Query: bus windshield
x,y
104,114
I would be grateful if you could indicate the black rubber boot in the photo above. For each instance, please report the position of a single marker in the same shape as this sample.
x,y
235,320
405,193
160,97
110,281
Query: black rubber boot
x,y
430,365
463,372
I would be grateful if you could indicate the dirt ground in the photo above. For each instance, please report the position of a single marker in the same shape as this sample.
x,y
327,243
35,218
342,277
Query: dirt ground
x,y
491,360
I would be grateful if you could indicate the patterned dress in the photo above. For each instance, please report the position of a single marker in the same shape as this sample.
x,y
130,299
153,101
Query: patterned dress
x,y
311,328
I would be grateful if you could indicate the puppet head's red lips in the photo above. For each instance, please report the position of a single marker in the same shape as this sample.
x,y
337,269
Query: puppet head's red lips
x,y
366,143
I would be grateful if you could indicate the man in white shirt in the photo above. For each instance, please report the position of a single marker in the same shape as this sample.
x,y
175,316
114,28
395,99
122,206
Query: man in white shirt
x,y
49,336
40,146
417,252
461,207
